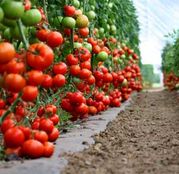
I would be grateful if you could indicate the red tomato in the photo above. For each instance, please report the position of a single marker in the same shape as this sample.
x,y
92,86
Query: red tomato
x,y
41,136
69,10
2,104
47,81
7,124
71,60
14,82
29,93
51,109
33,148
84,31
48,149
60,68
54,39
59,80
77,98
85,73
26,131
11,151
14,137
55,119
82,109
42,34
91,80
86,64
34,78
98,75
92,110
66,105
53,135
108,78
92,41
15,67
46,125
7,52
40,56
75,70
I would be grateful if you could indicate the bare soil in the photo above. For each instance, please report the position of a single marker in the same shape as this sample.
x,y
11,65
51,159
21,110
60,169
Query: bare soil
x,y
144,139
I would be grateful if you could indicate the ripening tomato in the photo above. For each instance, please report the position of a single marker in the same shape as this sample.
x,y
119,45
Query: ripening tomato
x,y
96,49
60,68
82,21
83,54
7,52
33,148
46,125
48,149
39,56
14,82
50,109
29,93
54,39
69,10
42,34
84,31
41,136
53,135
47,81
92,41
59,80
27,5
92,110
71,59
14,137
11,151
34,77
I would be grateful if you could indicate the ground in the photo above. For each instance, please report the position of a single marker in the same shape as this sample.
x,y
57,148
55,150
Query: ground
x,y
144,139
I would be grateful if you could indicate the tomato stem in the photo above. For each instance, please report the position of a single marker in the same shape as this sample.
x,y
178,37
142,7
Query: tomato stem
x,y
11,108
72,39
24,40
45,9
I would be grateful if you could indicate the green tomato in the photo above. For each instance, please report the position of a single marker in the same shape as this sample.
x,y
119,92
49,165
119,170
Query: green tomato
x,y
92,7
120,61
76,3
13,9
1,14
9,22
16,33
125,83
69,22
7,34
102,56
31,17
91,15
113,29
88,46
123,56
101,31
77,45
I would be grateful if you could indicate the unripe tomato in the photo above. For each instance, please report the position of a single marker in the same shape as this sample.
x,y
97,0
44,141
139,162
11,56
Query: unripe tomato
x,y
12,9
68,22
31,17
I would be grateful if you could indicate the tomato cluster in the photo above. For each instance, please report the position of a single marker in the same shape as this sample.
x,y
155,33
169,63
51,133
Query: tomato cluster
x,y
170,81
61,72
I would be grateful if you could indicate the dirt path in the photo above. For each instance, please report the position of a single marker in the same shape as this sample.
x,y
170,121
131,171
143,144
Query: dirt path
x,y
144,139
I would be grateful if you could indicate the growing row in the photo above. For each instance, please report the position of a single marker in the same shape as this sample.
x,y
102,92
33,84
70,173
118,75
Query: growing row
x,y
50,73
